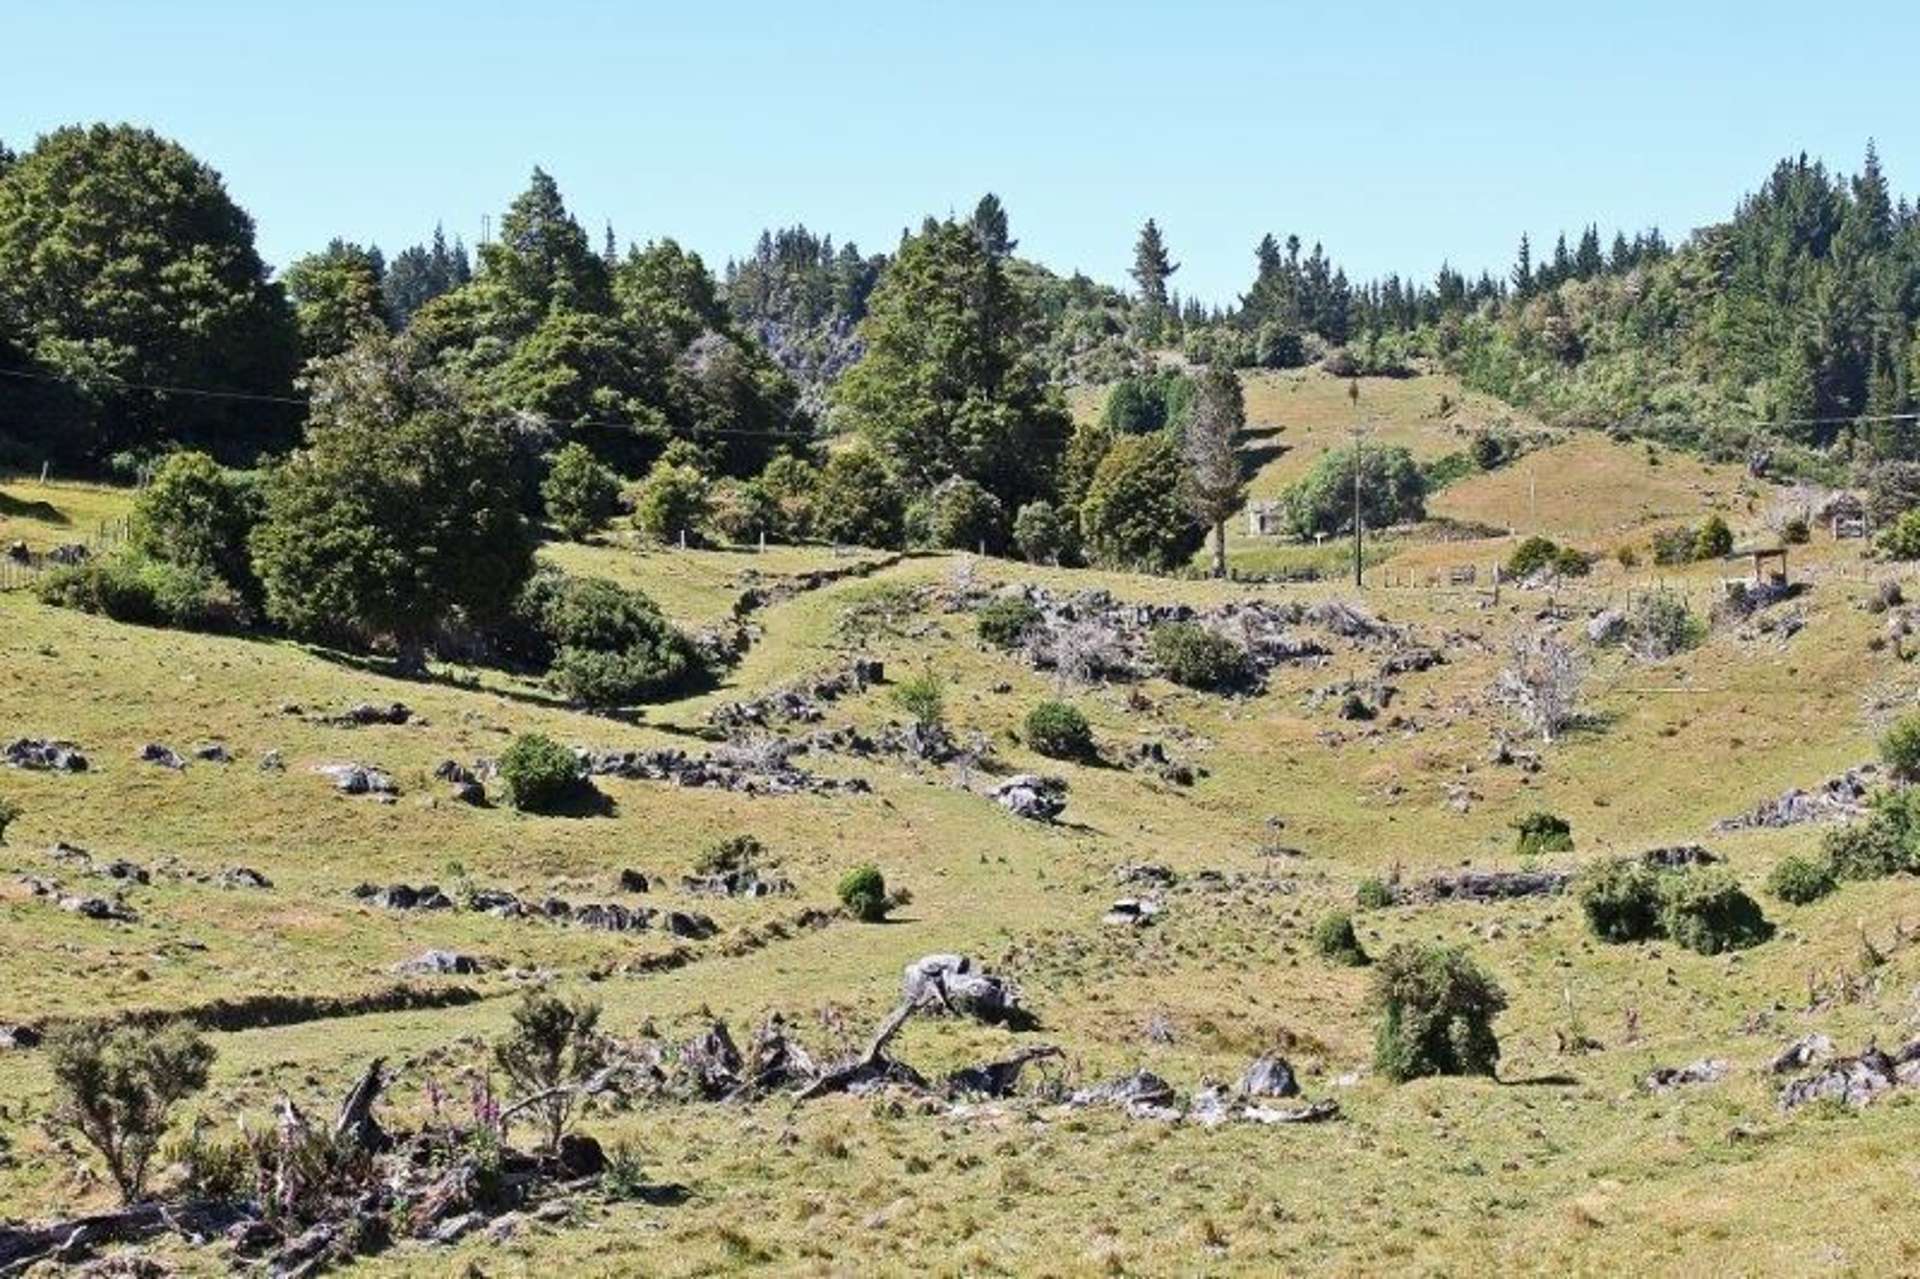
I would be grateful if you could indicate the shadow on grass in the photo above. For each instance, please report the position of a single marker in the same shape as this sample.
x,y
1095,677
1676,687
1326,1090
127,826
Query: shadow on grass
x,y
1541,1081
1592,724
45,512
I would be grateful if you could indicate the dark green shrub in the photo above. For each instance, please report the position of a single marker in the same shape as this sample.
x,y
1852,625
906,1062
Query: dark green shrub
x,y
1715,540
1531,556
1795,532
744,511
1799,880
580,492
672,501
1900,748
1004,621
1136,513
1539,833
963,516
1708,911
1190,654
1059,731
1335,940
1436,1009
1043,534
116,1086
1621,900
1373,894
1901,539
9,814
863,891
130,587
603,644
1571,562
1872,849
858,501
198,516
539,773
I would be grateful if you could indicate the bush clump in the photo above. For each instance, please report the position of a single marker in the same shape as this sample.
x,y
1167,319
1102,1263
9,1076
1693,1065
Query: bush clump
x,y
1675,545
540,774
1005,621
1373,894
1436,1009
603,645
1708,911
1335,940
1714,541
863,891
128,586
1196,657
1900,748
1798,880
1621,900
671,502
1540,832
10,811
1059,731
923,697
197,515
1538,553
1901,539
580,492
1662,626
1043,534
116,1087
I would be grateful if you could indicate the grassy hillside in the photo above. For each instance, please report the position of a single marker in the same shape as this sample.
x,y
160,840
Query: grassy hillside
x,y
1565,1165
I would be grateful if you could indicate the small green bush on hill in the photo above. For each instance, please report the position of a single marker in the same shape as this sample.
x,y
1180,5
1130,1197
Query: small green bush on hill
x,y
1005,621
1335,940
1798,880
540,774
1540,832
1059,731
863,891
1436,1009
1621,900
1190,654
1708,911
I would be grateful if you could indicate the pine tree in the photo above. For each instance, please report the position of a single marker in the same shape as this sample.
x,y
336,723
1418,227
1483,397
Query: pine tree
x,y
989,223
1152,267
1523,268
1210,447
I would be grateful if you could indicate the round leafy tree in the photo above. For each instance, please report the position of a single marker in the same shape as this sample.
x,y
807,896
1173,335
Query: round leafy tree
x,y
863,891
1059,731
1136,514
539,773
858,502
580,492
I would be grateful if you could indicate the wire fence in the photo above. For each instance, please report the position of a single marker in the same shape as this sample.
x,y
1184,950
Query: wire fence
x,y
21,566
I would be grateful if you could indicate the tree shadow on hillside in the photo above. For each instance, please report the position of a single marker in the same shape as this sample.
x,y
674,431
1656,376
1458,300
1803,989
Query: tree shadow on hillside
x,y
1259,446
1592,724
45,512
584,800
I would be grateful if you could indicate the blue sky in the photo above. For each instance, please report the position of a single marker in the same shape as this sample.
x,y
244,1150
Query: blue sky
x,y
1398,134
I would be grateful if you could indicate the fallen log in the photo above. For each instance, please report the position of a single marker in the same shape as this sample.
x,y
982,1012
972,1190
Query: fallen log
x,y
72,1239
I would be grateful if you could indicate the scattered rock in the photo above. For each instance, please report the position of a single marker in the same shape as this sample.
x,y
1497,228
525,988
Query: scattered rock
x,y
1029,795
954,983
13,1035
1141,1088
365,713
165,756
742,882
271,762
1801,1053
1482,886
1146,875
440,963
1132,912
43,755
1708,1070
1269,1076
633,881
213,753
1835,799
358,779
98,908
404,897
1678,857
472,794
691,925
747,777
1608,626
243,877
1856,1081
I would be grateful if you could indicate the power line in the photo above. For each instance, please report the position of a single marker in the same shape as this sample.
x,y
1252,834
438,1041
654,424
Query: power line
x,y
206,393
